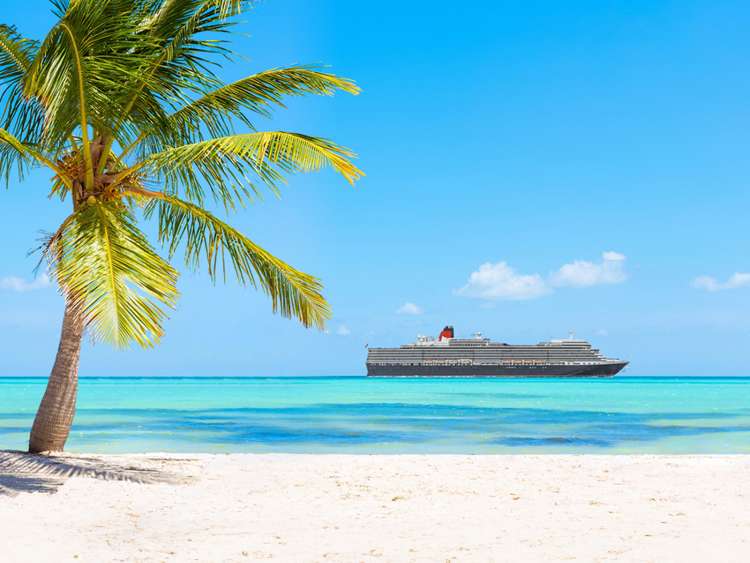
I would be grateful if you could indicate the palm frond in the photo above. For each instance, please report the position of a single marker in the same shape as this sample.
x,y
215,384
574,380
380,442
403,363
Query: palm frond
x,y
13,156
173,61
224,163
14,152
82,66
23,117
206,238
107,269
215,110
178,62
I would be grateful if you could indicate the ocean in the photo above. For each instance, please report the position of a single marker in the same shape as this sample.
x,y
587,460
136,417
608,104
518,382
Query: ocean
x,y
359,415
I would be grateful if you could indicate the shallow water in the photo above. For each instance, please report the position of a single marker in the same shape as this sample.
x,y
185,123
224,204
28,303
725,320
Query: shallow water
x,y
360,415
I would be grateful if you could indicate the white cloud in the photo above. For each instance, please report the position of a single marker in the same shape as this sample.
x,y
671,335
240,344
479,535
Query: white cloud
x,y
343,330
612,256
409,308
13,283
709,283
500,281
582,273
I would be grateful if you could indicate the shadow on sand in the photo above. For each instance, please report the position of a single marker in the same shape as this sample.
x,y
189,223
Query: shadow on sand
x,y
21,472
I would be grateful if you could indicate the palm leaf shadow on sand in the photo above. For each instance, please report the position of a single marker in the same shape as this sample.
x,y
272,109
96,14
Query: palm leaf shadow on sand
x,y
21,472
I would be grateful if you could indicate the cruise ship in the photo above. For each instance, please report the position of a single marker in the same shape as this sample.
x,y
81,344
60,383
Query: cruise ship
x,y
447,356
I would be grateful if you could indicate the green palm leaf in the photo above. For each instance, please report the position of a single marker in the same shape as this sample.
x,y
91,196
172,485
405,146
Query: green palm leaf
x,y
15,152
84,64
224,163
20,115
255,93
107,269
171,63
206,238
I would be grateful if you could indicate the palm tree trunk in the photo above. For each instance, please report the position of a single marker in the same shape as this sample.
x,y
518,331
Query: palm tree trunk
x,y
55,415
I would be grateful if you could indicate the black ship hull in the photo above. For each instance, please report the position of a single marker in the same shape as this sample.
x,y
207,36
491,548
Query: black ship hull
x,y
488,370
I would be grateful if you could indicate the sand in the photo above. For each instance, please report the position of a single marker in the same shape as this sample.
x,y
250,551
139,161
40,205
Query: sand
x,y
374,508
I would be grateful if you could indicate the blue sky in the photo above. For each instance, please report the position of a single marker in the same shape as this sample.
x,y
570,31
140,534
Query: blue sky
x,y
532,168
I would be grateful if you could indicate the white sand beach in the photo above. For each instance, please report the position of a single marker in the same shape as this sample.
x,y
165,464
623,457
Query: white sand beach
x,y
374,508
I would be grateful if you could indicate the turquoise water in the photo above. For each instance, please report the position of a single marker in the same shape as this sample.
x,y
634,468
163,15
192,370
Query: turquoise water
x,y
360,415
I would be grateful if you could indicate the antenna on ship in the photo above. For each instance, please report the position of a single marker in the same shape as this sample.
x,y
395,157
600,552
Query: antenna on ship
x,y
571,335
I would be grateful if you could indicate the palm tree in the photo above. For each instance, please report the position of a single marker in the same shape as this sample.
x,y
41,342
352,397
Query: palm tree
x,y
122,102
